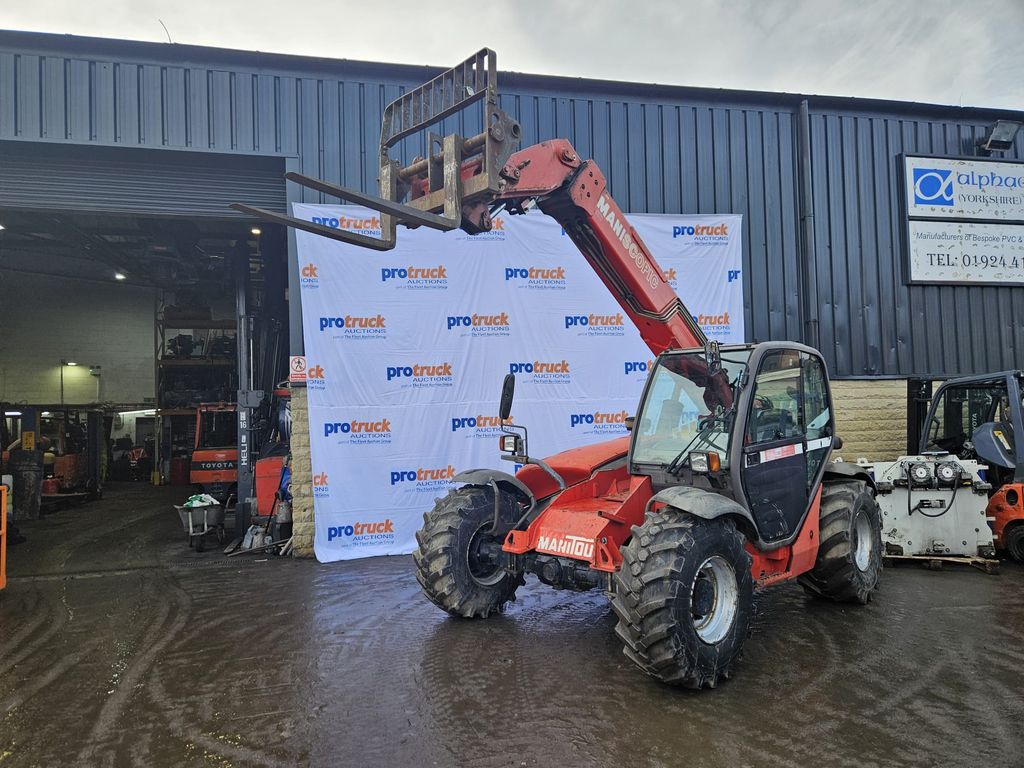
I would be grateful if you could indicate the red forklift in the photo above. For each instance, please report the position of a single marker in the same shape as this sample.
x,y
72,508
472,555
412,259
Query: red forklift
x,y
724,485
214,464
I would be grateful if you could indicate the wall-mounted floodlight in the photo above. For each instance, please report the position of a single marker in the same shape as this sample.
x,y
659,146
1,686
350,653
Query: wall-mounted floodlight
x,y
1000,136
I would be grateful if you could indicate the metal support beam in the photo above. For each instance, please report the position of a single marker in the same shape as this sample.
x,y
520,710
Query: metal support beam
x,y
296,346
808,263
245,501
919,395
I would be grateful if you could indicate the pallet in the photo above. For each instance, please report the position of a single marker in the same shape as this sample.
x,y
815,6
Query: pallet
x,y
937,562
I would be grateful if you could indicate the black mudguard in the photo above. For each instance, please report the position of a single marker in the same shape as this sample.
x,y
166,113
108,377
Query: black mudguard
x,y
503,480
841,470
701,503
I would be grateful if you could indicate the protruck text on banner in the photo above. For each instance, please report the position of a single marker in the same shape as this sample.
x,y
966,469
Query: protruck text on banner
x,y
551,278
415,277
406,352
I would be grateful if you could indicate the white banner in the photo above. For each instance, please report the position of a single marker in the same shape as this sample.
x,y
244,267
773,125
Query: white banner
x,y
406,350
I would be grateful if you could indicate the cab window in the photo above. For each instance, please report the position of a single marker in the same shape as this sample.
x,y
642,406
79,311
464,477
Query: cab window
x,y
775,410
687,408
960,411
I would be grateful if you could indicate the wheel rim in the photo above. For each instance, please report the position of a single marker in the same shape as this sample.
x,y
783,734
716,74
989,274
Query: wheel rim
x,y
484,574
714,599
863,541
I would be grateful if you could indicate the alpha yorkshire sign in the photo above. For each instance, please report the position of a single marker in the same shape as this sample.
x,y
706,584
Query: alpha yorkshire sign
x,y
949,188
965,220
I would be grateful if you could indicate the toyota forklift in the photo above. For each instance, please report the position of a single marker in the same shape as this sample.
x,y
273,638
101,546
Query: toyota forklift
x,y
213,468
724,484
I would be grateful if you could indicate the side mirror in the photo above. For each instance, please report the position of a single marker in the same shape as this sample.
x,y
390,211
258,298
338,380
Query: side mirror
x,y
508,388
630,422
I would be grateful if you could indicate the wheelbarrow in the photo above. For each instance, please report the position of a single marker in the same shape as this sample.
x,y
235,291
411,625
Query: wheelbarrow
x,y
201,521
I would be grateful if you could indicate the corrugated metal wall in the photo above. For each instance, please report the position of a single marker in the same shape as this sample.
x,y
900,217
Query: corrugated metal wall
x,y
665,150
875,322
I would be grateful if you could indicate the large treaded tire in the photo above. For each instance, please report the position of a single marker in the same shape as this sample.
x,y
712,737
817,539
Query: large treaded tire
x,y
836,574
654,593
443,559
1013,540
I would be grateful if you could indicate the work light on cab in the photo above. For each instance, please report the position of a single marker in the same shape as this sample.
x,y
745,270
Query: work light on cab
x,y
510,444
705,462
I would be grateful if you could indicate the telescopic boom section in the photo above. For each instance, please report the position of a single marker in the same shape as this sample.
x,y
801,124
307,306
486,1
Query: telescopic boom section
x,y
463,181
574,192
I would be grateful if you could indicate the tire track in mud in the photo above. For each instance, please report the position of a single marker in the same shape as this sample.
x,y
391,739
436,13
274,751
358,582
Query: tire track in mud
x,y
236,695
371,620
18,645
997,699
31,643
793,654
38,683
915,706
375,675
214,746
170,619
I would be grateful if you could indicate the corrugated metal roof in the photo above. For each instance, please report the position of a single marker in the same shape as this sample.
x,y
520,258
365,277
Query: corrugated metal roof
x,y
66,177
665,149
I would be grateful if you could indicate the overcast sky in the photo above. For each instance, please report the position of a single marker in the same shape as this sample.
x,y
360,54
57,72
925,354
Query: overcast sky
x,y
966,52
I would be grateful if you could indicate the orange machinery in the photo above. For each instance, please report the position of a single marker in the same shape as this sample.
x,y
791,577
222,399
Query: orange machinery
x,y
214,468
980,417
3,536
678,529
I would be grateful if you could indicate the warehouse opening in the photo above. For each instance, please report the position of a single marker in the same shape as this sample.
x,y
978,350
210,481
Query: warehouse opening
x,y
135,306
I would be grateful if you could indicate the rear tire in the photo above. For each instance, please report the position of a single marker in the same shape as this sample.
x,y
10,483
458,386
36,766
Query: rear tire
x,y
684,598
849,563
447,568
1013,539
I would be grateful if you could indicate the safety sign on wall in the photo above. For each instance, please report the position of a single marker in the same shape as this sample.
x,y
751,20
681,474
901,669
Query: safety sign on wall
x,y
406,351
297,369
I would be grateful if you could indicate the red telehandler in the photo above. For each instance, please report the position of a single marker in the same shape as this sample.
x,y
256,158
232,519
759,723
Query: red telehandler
x,y
724,485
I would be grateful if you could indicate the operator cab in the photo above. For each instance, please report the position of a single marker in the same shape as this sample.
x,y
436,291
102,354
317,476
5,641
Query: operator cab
x,y
978,418
753,423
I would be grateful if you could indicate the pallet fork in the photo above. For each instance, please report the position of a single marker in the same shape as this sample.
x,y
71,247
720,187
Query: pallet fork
x,y
462,175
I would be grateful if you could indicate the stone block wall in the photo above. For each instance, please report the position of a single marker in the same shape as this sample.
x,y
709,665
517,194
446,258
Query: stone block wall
x,y
302,476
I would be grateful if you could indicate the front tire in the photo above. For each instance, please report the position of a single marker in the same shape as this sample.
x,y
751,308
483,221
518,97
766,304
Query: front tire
x,y
450,568
849,563
684,598
1013,540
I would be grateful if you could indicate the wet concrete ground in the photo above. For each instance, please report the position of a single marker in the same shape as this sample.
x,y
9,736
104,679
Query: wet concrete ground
x,y
118,646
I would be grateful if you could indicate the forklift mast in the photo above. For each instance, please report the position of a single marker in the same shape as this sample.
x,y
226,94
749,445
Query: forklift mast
x,y
463,182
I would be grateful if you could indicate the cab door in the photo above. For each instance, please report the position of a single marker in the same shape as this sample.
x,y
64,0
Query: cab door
x,y
787,438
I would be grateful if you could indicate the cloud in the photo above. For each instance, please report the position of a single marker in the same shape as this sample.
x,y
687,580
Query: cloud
x,y
943,51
